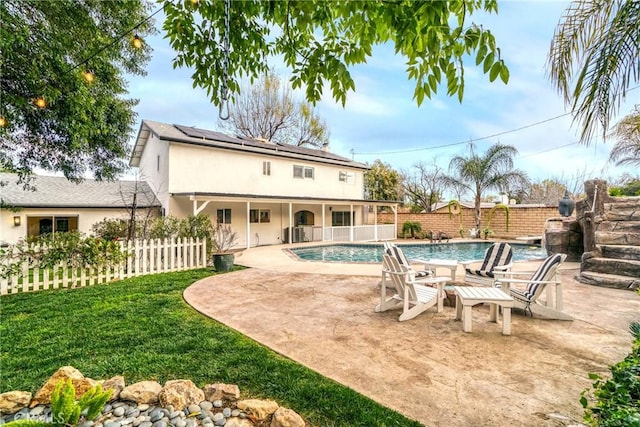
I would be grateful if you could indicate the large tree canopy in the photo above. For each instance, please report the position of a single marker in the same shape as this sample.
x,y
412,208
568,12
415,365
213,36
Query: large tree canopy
x,y
267,110
319,40
595,58
55,114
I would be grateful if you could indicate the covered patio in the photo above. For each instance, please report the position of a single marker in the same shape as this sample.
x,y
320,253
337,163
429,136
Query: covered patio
x,y
293,219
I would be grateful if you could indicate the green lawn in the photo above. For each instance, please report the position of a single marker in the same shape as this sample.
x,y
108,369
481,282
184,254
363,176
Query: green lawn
x,y
141,328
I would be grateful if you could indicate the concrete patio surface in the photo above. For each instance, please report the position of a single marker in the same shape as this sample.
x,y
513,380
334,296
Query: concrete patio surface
x,y
321,315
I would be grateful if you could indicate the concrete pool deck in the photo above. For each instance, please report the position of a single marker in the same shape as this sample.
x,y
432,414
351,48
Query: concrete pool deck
x,y
321,315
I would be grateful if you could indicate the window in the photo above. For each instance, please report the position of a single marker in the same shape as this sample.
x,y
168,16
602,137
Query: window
x,y
339,219
303,172
266,168
348,177
224,216
158,163
37,225
259,215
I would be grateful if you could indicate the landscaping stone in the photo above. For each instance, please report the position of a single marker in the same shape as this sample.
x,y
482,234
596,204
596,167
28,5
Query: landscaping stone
x,y
259,409
116,384
142,392
180,393
13,401
182,405
219,391
284,417
80,383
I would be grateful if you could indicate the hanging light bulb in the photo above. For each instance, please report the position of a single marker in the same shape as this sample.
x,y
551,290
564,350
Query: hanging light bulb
x,y
137,42
88,76
3,122
40,102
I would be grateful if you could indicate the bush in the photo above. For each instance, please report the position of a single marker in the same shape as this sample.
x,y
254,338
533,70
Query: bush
x,y
616,401
412,228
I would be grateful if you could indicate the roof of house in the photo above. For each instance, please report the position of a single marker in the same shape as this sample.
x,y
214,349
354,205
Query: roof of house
x,y
59,192
208,138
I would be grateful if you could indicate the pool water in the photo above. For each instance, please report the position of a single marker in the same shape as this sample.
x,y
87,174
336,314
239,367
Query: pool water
x,y
373,253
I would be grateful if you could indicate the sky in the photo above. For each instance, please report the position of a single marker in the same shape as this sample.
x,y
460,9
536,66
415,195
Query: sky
x,y
382,121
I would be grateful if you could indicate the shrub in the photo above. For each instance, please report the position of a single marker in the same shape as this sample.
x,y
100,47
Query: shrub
x,y
66,411
616,401
412,228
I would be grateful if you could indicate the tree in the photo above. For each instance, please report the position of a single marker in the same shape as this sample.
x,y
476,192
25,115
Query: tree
x,y
424,186
319,40
479,173
594,58
62,83
267,110
382,182
626,150
547,192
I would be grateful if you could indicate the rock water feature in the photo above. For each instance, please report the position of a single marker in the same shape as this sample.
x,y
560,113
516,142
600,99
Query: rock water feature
x,y
179,403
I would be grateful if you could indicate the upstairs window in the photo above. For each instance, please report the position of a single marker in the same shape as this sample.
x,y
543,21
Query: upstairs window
x,y
266,168
347,177
303,172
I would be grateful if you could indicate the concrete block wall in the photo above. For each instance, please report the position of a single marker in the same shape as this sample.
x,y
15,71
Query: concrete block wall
x,y
523,221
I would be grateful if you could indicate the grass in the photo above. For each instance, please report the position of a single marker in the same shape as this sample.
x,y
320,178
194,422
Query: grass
x,y
141,328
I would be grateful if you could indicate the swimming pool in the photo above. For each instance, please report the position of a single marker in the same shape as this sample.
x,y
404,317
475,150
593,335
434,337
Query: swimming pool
x,y
373,253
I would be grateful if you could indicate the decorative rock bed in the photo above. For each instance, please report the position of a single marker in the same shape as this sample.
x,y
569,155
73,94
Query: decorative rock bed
x,y
179,403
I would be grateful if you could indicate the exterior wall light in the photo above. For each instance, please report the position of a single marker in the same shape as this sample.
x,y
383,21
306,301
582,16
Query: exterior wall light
x,y
16,221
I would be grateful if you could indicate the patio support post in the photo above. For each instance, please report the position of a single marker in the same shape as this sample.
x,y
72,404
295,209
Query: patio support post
x,y
351,221
323,220
289,239
395,220
248,225
375,223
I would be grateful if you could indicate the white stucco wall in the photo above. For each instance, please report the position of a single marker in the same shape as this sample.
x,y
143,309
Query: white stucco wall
x,y
154,168
203,169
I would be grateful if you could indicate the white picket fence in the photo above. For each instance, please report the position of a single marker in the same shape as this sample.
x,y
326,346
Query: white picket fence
x,y
143,257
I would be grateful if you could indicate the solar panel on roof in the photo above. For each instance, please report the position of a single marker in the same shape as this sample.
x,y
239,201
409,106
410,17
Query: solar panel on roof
x,y
221,137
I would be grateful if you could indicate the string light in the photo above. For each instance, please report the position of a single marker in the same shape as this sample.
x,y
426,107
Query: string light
x,y
88,76
137,42
40,102
3,122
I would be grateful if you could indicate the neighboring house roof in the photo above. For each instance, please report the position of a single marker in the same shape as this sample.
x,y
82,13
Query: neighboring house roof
x,y
59,192
208,138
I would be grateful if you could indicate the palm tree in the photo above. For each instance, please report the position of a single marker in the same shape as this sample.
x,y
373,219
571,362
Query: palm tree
x,y
626,150
594,58
479,173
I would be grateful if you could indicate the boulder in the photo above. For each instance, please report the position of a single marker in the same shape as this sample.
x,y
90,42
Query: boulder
x,y
13,401
258,409
116,384
180,394
221,391
80,383
143,392
238,422
284,417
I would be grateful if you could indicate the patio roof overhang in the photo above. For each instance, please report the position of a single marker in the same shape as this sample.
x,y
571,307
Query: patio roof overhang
x,y
235,197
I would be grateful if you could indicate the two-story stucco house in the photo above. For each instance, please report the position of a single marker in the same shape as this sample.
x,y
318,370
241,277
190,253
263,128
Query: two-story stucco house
x,y
268,192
